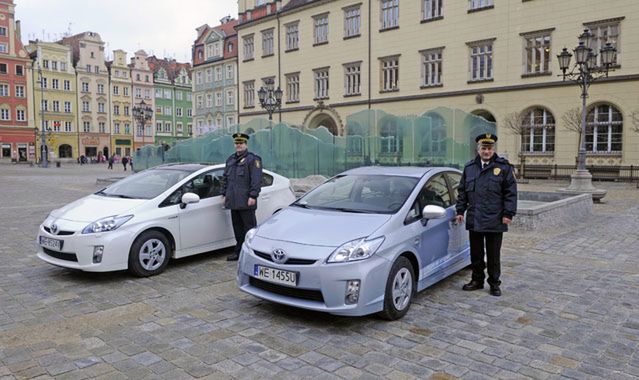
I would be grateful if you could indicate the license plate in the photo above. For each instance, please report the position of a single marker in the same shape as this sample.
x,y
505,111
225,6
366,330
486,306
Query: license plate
x,y
275,275
51,243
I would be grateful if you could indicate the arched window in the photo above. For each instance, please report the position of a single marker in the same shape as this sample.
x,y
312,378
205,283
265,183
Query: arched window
x,y
355,138
604,126
435,143
538,131
390,137
65,151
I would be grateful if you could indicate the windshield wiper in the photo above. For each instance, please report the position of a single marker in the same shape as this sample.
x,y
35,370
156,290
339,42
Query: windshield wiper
x,y
121,196
101,192
302,205
356,211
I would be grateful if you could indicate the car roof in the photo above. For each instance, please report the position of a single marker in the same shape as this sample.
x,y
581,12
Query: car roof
x,y
406,171
189,167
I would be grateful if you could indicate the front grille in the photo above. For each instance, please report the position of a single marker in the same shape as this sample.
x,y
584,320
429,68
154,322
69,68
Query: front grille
x,y
61,233
290,261
306,294
61,255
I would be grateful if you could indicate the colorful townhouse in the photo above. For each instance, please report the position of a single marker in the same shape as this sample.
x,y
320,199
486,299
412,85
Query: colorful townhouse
x,y
142,85
121,104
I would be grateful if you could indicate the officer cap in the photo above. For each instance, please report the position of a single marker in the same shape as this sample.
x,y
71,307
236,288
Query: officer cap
x,y
486,139
240,138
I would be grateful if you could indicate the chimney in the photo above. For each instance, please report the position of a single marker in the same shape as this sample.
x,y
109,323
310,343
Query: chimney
x,y
18,32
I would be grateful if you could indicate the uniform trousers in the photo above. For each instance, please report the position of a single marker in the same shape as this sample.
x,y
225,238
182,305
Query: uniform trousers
x,y
243,221
491,241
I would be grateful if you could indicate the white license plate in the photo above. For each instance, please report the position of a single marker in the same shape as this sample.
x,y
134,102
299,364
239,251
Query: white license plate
x,y
51,243
275,275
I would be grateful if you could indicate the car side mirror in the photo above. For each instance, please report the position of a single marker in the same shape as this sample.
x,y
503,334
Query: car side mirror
x,y
188,198
432,212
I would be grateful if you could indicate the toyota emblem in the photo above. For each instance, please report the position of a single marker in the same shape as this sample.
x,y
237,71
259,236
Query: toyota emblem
x,y
54,229
278,255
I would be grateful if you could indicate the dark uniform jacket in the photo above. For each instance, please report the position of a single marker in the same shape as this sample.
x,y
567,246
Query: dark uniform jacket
x,y
487,195
242,179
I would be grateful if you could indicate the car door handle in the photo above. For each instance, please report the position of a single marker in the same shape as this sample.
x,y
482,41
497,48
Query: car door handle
x,y
417,242
173,217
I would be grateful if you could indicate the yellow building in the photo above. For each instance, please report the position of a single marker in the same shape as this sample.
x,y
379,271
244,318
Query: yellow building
x,y
496,59
121,115
54,99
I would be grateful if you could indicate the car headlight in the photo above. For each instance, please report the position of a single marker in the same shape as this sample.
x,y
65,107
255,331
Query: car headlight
x,y
355,250
106,224
250,234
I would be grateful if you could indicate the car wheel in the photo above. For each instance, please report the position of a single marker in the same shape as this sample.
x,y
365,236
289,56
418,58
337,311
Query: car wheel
x,y
400,288
149,254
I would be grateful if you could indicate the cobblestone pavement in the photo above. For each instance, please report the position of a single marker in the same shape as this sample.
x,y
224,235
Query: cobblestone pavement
x,y
569,309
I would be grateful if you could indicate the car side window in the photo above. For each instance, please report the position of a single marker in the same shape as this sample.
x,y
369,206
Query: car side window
x,y
267,180
454,179
205,185
434,192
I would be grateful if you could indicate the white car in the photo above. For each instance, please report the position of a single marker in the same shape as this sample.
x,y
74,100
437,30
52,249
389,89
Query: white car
x,y
138,223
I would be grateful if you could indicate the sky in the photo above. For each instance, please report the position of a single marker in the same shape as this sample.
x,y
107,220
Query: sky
x,y
164,28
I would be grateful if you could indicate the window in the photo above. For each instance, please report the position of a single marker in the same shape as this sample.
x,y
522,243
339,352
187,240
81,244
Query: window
x,y
321,83
4,114
85,87
218,99
538,131
390,14
249,94
390,137
292,36
435,193
63,67
3,68
293,87
116,90
116,127
218,73
431,9
354,139
179,128
158,110
198,77
537,54
209,100
178,95
56,106
352,79
432,67
126,110
189,97
86,126
20,115
147,93
390,73
126,91
101,107
158,93
604,33
199,101
248,47
44,105
100,88
127,128
43,82
168,111
55,84
54,65
146,77
3,48
116,110
67,85
167,94
56,125
230,97
167,127
4,90
481,61
97,70
178,112
45,64
229,71
604,127
320,29
19,70
86,106
67,107
209,75
102,127
3,31
267,42
189,112
352,21
67,126
19,91
479,4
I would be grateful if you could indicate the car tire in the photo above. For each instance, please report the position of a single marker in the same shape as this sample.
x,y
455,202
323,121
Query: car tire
x,y
400,288
149,254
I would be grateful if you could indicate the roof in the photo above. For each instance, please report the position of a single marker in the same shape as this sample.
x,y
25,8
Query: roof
x,y
190,167
171,66
404,171
296,4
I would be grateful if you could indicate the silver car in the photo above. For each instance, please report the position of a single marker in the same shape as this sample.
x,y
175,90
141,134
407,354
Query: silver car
x,y
363,242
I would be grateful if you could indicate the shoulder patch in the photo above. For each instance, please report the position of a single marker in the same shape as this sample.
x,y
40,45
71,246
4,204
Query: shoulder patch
x,y
258,164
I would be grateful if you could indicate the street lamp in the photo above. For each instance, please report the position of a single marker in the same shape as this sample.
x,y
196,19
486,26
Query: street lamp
x,y
143,113
584,72
44,150
270,99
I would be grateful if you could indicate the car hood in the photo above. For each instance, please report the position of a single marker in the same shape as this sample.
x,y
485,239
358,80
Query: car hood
x,y
320,227
94,207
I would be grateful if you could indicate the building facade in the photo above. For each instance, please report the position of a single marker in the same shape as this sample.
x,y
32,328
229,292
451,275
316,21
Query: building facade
x,y
214,77
121,103
93,96
494,59
55,100
172,83
17,140
142,84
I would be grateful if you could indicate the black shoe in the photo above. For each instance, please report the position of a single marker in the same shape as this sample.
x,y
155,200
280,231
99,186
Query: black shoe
x,y
233,257
473,285
495,291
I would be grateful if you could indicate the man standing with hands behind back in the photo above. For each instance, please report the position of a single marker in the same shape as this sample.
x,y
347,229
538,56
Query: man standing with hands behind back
x,y
488,194
241,186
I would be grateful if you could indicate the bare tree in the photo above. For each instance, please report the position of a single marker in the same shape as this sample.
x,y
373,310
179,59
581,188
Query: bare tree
x,y
514,123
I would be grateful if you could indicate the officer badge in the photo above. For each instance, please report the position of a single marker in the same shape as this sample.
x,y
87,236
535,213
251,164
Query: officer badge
x,y
496,171
257,164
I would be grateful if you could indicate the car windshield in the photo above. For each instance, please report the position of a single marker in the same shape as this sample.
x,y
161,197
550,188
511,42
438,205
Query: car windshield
x,y
378,194
147,184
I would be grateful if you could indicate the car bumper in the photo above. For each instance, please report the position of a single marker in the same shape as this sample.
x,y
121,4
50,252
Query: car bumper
x,y
78,249
321,286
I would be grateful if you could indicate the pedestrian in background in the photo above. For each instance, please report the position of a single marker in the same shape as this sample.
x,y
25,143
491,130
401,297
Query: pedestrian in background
x,y
488,195
110,163
241,186
125,161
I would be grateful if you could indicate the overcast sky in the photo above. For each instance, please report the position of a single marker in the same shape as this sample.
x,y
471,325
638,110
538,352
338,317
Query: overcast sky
x,y
160,27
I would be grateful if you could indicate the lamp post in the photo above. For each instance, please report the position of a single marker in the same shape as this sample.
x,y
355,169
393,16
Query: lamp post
x,y
270,99
142,113
585,71
44,150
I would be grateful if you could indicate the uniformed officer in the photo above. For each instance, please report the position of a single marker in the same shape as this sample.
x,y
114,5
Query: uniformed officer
x,y
488,195
240,188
